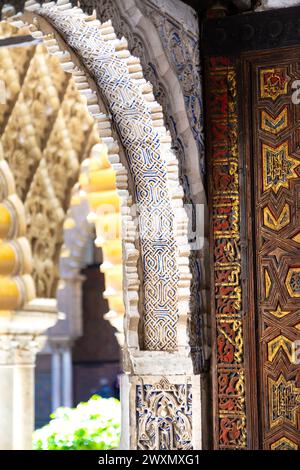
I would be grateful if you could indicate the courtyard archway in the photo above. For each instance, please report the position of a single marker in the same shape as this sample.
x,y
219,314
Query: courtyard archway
x,y
157,311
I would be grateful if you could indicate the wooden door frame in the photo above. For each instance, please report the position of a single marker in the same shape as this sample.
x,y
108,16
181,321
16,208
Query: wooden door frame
x,y
261,37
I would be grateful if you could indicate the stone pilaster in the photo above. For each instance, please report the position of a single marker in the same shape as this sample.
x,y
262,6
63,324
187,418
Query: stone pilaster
x,y
162,401
161,412
21,337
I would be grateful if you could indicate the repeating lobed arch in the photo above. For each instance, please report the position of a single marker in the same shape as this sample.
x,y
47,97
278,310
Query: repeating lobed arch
x,y
74,225
164,246
165,209
54,164
16,283
95,196
94,201
101,176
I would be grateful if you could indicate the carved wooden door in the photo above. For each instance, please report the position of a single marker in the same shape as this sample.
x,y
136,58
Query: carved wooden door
x,y
273,163
253,153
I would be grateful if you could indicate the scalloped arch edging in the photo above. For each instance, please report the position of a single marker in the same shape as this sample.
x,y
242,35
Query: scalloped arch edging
x,y
16,283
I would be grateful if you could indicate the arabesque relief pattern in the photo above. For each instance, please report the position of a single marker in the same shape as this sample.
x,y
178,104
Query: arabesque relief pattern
x,y
229,376
164,416
101,176
182,49
178,56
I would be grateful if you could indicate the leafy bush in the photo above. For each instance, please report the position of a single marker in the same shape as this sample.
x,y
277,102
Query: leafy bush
x,y
94,425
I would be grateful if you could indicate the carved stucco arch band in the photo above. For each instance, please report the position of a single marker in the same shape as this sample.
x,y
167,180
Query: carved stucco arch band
x,y
164,35
16,283
165,267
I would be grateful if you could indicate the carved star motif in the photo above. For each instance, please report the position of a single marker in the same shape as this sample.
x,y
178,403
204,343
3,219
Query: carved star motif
x,y
278,253
278,312
278,167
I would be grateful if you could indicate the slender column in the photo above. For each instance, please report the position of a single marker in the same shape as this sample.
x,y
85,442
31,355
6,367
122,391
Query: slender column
x,y
26,347
67,379
21,337
6,386
23,409
56,378
17,358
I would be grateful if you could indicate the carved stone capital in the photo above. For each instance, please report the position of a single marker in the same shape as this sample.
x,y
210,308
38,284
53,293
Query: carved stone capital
x,y
22,332
19,348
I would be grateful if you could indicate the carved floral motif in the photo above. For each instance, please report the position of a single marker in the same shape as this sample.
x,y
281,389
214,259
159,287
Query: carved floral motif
x,y
164,416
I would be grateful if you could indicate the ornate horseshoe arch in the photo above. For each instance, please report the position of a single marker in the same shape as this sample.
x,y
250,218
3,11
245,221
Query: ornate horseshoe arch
x,y
144,138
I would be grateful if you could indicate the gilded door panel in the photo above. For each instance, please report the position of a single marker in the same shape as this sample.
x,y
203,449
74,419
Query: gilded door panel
x,y
275,168
253,156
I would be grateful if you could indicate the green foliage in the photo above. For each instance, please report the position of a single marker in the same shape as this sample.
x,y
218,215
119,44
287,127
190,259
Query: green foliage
x,y
94,425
